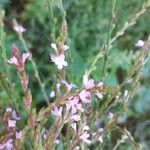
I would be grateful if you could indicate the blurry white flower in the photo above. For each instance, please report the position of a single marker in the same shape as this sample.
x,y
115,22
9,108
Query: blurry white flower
x,y
8,109
18,134
59,61
12,123
110,116
57,111
52,94
84,137
139,43
65,47
19,28
54,46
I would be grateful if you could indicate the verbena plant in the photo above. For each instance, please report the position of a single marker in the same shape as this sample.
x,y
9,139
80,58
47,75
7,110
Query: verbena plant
x,y
78,117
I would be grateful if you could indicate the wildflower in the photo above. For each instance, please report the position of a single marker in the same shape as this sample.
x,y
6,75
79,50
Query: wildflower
x,y
99,95
18,134
19,28
65,47
72,104
2,146
52,94
8,109
59,61
75,117
14,115
100,85
139,43
84,137
110,116
54,46
68,86
11,123
57,111
89,84
100,139
9,144
16,60
13,60
77,148
85,96
57,142
74,127
25,55
85,128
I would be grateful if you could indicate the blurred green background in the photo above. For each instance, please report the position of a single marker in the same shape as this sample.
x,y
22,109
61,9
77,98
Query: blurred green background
x,y
88,26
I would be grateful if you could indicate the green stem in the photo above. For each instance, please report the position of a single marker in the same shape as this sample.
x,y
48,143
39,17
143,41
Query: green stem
x,y
53,34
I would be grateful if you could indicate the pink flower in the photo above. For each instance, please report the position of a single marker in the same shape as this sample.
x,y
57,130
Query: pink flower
x,y
25,56
18,135
9,144
14,115
59,61
84,137
72,104
13,60
19,28
2,146
65,47
11,123
99,95
68,86
75,117
85,96
89,84
74,127
85,128
57,111
100,85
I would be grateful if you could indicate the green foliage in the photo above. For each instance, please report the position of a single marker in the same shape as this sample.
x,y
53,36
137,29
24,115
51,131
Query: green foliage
x,y
88,27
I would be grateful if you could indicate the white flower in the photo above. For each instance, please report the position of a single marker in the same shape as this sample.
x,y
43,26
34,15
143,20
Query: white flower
x,y
57,111
11,123
65,47
13,60
75,117
9,109
110,116
19,28
84,137
52,94
54,46
139,43
59,61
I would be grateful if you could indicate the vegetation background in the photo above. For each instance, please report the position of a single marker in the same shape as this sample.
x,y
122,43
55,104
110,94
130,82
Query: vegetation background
x,y
88,26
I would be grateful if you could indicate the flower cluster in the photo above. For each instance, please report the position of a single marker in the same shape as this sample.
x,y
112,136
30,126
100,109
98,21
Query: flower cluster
x,y
19,62
10,120
74,108
59,58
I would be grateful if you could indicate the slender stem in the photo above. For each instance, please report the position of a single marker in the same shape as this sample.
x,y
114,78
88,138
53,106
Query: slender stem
x,y
127,25
111,27
53,34
35,69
